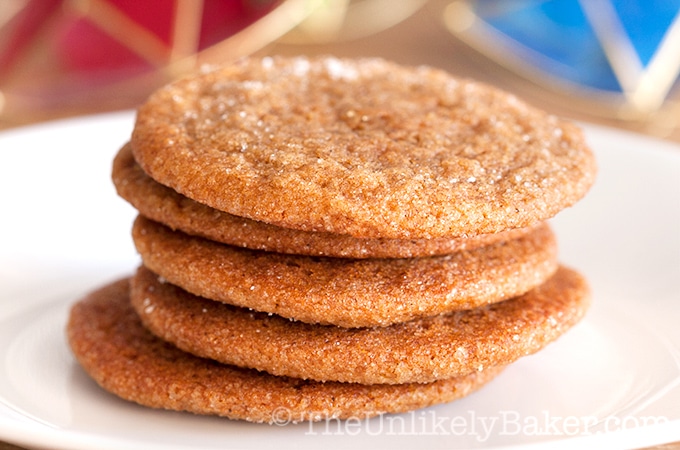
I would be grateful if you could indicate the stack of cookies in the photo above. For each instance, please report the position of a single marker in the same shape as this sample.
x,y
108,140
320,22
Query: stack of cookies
x,y
333,238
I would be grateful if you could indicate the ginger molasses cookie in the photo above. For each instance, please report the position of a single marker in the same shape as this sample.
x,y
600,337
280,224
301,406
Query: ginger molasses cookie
x,y
114,348
364,147
347,292
421,350
164,205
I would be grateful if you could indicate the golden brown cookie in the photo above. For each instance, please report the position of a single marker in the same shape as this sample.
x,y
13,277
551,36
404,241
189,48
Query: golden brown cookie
x,y
347,292
361,147
114,348
162,204
422,350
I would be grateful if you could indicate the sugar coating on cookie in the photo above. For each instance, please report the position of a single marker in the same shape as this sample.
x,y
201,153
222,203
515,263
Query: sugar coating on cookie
x,y
361,147
164,205
422,350
347,292
125,359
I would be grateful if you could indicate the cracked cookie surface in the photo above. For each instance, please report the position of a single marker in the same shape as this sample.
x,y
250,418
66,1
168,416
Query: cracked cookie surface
x,y
365,147
113,347
347,292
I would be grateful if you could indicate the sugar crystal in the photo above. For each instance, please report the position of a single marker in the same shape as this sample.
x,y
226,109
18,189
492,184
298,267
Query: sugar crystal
x,y
339,70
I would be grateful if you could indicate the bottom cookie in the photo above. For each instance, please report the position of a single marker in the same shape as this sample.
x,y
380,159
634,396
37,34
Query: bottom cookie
x,y
109,341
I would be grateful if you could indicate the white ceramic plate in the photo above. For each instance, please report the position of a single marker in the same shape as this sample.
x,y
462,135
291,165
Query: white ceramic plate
x,y
613,381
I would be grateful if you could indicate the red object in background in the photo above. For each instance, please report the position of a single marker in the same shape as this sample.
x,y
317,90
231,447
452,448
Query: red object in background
x,y
65,57
20,30
56,54
83,46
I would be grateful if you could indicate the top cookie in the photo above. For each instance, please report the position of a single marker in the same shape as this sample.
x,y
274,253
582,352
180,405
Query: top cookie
x,y
360,147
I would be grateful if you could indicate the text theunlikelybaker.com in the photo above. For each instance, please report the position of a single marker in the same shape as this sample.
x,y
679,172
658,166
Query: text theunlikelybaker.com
x,y
481,427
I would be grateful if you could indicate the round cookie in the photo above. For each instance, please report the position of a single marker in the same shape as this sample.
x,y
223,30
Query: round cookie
x,y
420,351
114,348
162,204
361,147
347,292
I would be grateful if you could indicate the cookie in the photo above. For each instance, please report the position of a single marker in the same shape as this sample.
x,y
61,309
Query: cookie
x,y
347,292
418,351
114,348
164,205
366,148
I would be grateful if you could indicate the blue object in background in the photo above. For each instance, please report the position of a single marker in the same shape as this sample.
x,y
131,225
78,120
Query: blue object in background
x,y
559,38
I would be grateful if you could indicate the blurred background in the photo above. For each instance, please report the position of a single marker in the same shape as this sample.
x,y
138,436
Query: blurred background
x,y
614,62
